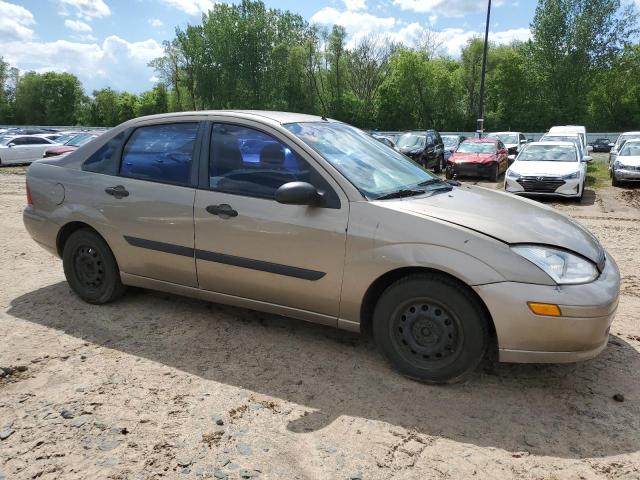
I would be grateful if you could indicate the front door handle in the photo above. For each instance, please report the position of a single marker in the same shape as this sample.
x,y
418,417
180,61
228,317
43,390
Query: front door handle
x,y
223,210
118,191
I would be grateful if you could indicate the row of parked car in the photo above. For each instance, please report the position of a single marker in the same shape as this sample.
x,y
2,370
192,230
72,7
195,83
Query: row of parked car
x,y
554,166
23,146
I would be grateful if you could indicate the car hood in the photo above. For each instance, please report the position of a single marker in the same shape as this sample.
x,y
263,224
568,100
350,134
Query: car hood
x,y
631,161
473,157
533,168
505,217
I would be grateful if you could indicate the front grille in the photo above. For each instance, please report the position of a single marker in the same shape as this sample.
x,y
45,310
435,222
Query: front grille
x,y
540,184
630,168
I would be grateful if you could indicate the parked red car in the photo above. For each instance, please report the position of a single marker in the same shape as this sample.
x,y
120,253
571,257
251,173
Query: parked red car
x,y
73,144
479,157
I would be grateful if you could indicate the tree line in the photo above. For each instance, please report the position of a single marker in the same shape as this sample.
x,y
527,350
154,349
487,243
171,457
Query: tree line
x,y
581,66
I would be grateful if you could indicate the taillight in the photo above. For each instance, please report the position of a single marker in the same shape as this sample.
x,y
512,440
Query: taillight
x,y
29,197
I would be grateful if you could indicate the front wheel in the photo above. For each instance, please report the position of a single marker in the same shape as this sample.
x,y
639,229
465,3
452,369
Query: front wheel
x,y
439,166
494,172
431,328
614,181
90,268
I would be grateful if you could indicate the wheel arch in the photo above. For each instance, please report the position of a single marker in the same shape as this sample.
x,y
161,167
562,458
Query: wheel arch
x,y
379,285
65,232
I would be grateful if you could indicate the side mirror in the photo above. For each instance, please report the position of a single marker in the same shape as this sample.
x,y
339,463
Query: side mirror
x,y
589,149
612,145
298,193
512,158
587,159
11,145
523,141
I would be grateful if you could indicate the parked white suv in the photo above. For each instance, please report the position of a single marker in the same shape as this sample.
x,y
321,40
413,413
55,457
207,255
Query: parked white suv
x,y
573,129
548,169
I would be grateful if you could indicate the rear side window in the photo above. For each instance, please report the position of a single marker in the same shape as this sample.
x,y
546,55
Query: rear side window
x,y
104,160
160,153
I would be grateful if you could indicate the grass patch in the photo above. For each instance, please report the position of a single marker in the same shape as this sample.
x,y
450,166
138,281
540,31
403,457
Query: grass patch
x,y
17,170
598,174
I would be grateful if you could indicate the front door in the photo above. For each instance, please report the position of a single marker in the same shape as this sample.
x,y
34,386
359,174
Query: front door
x,y
250,246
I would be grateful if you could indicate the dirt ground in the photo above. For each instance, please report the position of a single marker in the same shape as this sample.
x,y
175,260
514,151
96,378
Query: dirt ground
x,y
158,386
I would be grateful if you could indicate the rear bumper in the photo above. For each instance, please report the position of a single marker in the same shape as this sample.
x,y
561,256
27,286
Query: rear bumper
x,y
43,231
580,333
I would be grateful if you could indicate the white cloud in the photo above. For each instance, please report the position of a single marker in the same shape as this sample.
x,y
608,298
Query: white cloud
x,y
84,9
361,24
191,7
356,24
115,63
77,26
354,5
155,22
446,8
15,22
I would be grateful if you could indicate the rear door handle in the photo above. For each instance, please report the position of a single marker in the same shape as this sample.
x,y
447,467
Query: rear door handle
x,y
222,211
118,191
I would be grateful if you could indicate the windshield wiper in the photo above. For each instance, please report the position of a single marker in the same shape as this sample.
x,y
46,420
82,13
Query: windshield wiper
x,y
405,192
431,182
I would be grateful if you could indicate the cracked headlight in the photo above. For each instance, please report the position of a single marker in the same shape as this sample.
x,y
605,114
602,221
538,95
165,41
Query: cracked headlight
x,y
563,267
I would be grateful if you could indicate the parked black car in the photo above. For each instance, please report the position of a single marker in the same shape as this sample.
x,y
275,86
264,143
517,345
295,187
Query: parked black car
x,y
451,143
425,147
601,145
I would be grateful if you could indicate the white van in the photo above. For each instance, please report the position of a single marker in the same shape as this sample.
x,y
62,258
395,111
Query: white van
x,y
580,130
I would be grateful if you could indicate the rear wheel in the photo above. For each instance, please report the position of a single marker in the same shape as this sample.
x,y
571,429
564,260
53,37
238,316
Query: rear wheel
x,y
431,328
90,268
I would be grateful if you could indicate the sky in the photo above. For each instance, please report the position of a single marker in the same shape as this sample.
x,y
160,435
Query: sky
x,y
108,43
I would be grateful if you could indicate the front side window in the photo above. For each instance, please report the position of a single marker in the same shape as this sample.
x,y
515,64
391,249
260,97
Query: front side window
x,y
371,167
160,153
245,161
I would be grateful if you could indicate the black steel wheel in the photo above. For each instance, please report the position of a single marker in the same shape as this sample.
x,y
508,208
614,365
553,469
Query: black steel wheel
x,y
90,268
431,327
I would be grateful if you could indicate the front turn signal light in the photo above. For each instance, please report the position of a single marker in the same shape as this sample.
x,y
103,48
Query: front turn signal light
x,y
545,309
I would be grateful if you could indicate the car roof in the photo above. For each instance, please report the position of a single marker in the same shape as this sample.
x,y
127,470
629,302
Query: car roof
x,y
558,143
504,133
568,128
278,117
624,134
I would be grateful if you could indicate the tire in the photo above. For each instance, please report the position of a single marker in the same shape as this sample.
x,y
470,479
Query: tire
x,y
431,328
494,172
439,166
90,268
614,181
448,173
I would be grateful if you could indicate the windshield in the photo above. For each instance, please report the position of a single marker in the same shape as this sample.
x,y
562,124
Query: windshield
x,y
505,137
630,149
553,138
450,140
625,138
411,140
548,153
477,147
373,168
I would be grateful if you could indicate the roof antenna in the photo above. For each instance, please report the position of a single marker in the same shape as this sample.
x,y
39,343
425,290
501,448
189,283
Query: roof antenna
x,y
324,118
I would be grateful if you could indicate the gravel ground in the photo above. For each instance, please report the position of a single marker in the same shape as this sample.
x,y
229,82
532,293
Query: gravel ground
x,y
158,386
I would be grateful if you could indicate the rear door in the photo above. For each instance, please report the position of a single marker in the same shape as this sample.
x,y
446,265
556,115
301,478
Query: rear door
x,y
142,185
252,247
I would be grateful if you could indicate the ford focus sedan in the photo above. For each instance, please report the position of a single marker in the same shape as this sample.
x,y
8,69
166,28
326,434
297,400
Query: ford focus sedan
x,y
313,219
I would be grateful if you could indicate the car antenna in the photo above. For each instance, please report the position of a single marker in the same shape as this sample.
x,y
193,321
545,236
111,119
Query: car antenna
x,y
324,118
